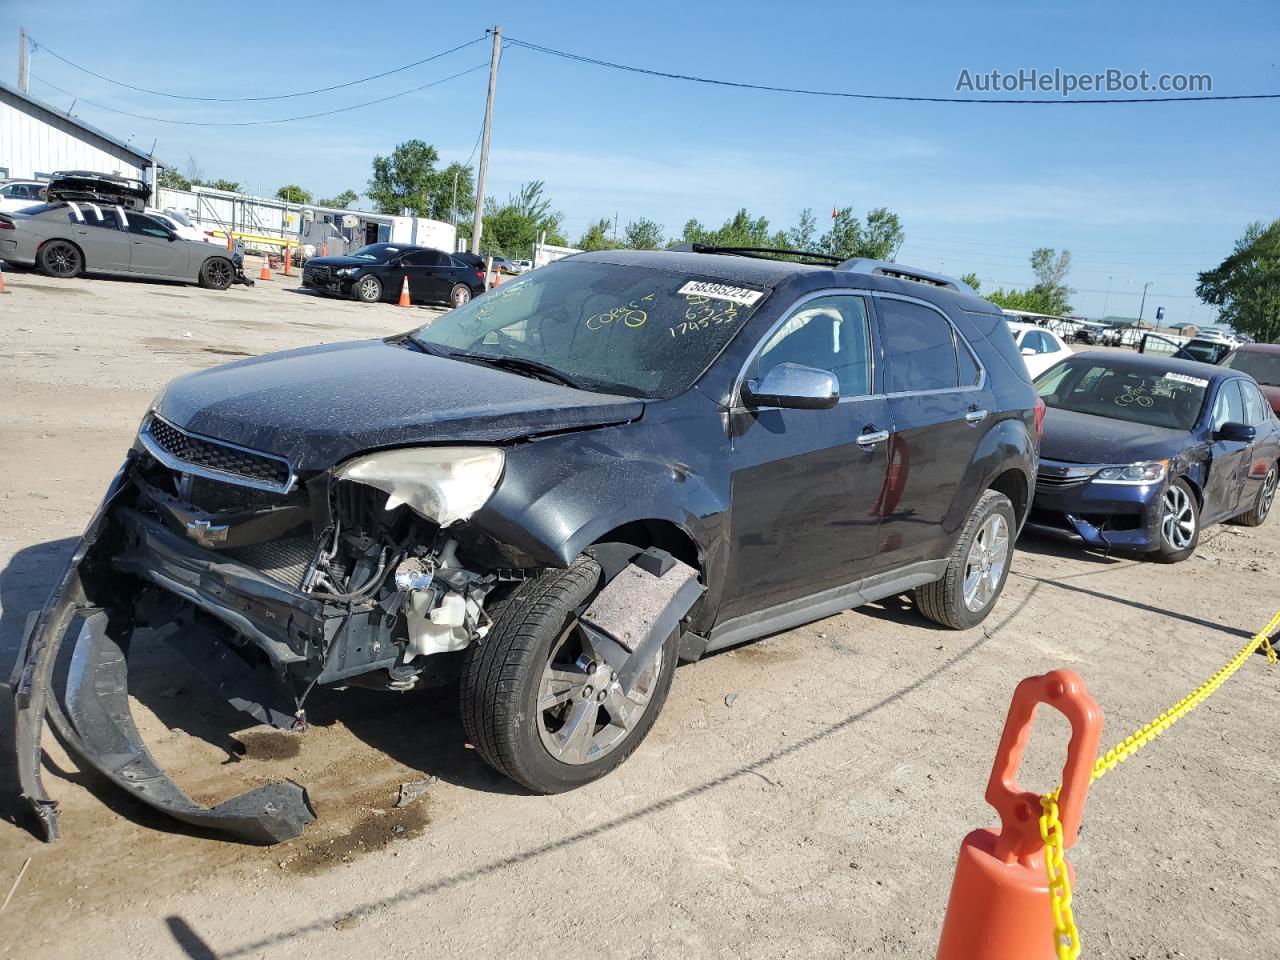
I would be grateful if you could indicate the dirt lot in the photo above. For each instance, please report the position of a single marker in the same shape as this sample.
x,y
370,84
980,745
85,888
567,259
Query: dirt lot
x,y
802,797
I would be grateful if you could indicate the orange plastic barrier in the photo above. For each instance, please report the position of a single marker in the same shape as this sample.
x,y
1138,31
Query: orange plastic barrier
x,y
1000,906
404,293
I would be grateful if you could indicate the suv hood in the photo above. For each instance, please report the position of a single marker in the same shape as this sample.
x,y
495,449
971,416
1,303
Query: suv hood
x,y
1085,438
320,405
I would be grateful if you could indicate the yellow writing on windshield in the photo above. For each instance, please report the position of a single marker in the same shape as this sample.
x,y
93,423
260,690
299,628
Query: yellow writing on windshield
x,y
631,315
702,313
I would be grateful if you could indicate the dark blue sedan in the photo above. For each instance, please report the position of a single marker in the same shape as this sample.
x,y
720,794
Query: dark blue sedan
x,y
1141,453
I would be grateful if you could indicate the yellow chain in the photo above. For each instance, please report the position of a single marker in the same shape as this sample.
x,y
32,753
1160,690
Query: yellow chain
x,y
1066,935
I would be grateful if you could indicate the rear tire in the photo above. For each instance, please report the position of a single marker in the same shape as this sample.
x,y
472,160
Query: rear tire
x,y
460,294
217,273
977,569
1179,523
61,259
530,684
1262,506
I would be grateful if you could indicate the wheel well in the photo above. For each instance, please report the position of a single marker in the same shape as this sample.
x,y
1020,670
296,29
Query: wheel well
x,y
662,534
1195,489
1013,484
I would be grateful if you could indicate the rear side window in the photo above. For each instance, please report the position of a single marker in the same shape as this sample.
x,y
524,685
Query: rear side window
x,y
1256,409
425,258
921,344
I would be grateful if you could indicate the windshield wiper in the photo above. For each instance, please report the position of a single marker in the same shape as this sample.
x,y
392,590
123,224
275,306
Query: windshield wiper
x,y
519,365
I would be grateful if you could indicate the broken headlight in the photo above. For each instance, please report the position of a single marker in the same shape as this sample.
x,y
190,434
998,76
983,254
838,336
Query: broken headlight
x,y
442,484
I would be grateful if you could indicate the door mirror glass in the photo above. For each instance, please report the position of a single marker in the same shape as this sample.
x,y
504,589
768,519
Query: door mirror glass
x,y
1237,432
793,386
1028,351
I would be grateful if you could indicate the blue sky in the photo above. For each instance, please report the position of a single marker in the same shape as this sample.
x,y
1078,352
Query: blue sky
x,y
1136,193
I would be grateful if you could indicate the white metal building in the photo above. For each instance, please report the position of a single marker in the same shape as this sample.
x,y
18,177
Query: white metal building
x,y
37,139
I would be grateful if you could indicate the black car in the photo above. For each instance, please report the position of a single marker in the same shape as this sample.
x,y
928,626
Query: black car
x,y
548,495
376,273
1142,452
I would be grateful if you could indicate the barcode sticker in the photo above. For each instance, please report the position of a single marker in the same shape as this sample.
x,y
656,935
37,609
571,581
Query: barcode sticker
x,y
720,291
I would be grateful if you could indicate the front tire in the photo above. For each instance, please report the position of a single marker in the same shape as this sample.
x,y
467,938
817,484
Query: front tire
x,y
1262,506
61,259
217,273
540,704
460,294
1179,523
368,290
977,569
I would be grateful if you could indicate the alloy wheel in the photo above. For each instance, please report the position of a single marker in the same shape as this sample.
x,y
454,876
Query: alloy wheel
x,y
62,260
1178,521
1268,493
583,713
220,273
461,295
984,567
369,289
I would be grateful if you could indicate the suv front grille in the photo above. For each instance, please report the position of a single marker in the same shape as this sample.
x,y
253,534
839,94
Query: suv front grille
x,y
235,464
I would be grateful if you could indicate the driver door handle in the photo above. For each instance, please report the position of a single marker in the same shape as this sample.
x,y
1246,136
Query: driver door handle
x,y
872,438
976,416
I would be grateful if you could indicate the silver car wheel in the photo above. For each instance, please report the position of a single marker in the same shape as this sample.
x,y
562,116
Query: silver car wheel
x,y
461,295
1268,493
1178,522
984,567
583,713
370,289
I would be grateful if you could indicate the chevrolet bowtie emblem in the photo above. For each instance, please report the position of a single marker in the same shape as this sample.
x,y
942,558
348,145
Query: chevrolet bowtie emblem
x,y
205,533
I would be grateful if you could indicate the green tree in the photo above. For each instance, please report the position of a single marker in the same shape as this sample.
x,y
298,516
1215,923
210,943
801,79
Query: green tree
x,y
1048,295
1245,287
878,239
342,201
596,236
231,186
804,235
409,179
292,193
643,234
972,280
513,228
173,180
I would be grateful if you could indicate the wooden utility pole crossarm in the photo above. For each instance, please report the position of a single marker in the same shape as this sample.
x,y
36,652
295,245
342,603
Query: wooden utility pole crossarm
x,y
478,223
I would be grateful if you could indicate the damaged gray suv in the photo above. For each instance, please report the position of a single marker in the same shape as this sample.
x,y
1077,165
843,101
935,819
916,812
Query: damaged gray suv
x,y
547,497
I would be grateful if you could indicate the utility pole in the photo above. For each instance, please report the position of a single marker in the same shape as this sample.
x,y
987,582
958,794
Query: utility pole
x,y
24,67
477,224
1144,302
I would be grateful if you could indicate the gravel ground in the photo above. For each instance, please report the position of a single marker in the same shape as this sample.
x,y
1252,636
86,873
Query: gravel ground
x,y
799,797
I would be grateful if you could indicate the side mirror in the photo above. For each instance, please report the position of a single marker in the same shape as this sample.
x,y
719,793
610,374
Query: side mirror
x,y
793,386
171,237
1028,351
1235,432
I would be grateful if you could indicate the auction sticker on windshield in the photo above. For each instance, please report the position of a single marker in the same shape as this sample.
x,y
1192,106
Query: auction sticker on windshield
x,y
719,291
1186,378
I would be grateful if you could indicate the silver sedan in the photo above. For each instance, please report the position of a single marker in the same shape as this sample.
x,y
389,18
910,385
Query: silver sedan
x,y
67,239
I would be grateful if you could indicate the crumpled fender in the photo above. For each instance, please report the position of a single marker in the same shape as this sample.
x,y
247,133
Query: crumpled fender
x,y
98,729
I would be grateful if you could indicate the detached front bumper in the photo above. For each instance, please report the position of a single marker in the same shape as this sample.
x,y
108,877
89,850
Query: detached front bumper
x,y
1112,516
97,727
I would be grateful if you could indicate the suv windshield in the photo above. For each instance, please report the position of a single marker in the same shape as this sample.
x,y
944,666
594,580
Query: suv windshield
x,y
624,329
1123,392
376,252
1263,366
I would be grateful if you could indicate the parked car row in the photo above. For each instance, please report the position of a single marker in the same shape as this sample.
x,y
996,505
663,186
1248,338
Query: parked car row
x,y
98,223
554,492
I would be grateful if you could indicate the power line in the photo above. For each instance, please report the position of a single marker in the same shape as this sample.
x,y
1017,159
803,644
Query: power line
x,y
875,96
259,123
281,96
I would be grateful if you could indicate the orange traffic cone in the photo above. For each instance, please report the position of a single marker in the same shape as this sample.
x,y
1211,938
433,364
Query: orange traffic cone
x,y
324,249
2,289
231,243
497,278
1000,908
404,293
288,259
265,272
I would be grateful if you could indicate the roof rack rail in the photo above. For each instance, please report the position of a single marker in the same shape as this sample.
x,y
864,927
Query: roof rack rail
x,y
884,268
759,253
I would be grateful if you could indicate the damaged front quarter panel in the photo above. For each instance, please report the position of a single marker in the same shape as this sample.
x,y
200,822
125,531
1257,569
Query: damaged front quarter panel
x,y
97,727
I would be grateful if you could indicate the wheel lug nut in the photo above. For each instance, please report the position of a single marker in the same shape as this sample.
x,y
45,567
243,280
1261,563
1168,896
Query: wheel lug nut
x,y
600,696
587,691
